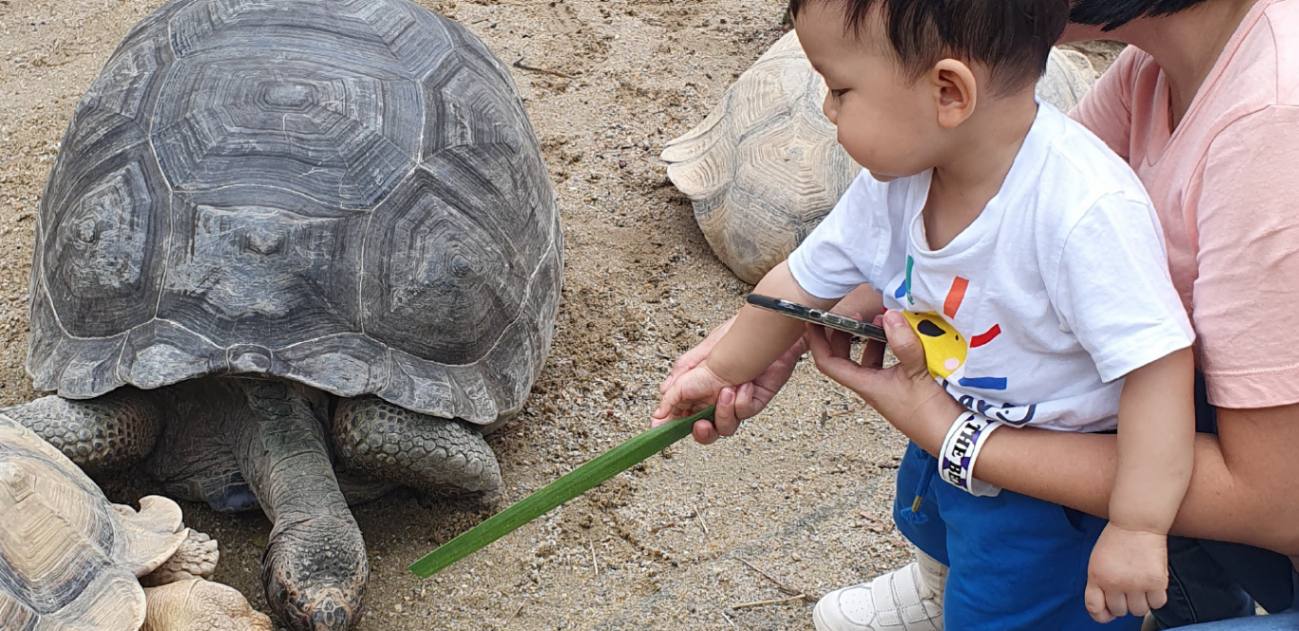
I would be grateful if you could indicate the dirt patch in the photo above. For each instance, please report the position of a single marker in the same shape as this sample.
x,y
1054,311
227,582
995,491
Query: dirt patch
x,y
803,495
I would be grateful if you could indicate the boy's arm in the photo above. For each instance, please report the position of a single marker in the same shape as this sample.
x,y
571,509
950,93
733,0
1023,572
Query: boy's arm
x,y
863,303
747,400
754,341
759,337
1112,289
1128,572
1156,444
833,260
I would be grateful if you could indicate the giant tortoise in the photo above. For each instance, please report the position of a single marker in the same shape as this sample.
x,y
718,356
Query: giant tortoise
x,y
764,167
289,244
69,559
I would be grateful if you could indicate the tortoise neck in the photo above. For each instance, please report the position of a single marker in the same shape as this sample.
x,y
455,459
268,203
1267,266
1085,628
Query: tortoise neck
x,y
280,444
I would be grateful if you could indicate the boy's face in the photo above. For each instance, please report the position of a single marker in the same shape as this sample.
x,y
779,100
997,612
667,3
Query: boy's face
x,y
886,121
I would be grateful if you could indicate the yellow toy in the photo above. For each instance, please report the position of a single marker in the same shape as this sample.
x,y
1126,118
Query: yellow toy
x,y
945,349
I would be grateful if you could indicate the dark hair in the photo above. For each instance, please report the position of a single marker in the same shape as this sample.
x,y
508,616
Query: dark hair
x,y
1115,13
1012,37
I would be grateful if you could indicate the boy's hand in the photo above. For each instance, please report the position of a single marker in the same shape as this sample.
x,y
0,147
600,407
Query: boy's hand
x,y
696,389
1128,574
734,404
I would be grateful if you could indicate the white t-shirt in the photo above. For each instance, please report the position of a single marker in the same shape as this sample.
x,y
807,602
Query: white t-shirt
x,y
1035,312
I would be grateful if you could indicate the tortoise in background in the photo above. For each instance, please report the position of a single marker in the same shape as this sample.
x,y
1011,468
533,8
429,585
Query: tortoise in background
x,y
69,559
291,243
764,167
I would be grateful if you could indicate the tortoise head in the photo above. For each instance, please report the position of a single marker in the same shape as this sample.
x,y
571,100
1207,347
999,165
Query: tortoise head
x,y
315,573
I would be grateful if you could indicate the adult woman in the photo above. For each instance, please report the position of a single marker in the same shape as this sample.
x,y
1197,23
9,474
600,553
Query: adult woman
x,y
1205,107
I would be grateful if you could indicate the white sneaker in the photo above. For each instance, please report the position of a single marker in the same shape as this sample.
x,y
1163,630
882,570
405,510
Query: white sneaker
x,y
907,599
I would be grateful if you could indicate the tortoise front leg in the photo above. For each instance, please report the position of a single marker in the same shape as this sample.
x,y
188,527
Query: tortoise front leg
x,y
109,433
196,557
381,441
198,605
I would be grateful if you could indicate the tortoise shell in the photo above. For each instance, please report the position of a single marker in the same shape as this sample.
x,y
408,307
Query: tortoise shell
x,y
765,166
344,193
69,559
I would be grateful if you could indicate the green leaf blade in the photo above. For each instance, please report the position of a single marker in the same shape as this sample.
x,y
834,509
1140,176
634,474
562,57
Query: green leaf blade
x,y
557,493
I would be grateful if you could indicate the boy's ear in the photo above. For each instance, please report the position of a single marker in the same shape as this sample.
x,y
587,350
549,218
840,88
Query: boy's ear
x,y
956,92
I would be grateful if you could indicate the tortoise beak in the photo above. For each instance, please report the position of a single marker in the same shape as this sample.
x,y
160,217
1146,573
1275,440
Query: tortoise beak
x,y
331,612
320,609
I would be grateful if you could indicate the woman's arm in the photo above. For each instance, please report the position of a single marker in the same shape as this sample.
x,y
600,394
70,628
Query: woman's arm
x,y
1243,486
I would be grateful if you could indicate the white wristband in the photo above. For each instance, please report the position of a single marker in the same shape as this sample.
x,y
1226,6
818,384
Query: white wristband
x,y
960,450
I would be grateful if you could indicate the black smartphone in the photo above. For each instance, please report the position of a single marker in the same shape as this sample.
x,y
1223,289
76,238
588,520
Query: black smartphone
x,y
851,326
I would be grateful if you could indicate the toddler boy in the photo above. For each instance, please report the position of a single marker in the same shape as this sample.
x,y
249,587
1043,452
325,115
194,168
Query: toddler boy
x,y
1028,259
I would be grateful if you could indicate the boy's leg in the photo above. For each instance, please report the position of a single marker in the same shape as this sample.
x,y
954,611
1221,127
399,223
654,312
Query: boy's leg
x,y
915,505
908,598
1018,563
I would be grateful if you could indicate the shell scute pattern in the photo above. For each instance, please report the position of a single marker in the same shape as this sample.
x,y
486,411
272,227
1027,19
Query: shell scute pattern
x,y
231,123
347,193
440,269
760,161
65,551
98,234
72,561
238,274
131,78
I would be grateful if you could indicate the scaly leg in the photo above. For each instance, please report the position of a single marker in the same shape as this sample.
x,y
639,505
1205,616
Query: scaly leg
x,y
196,557
199,605
380,441
109,433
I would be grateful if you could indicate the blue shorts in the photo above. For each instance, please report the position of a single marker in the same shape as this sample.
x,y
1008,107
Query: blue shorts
x,y
1016,562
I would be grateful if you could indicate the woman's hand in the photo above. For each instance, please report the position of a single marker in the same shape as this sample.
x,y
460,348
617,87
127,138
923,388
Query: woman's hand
x,y
905,394
739,403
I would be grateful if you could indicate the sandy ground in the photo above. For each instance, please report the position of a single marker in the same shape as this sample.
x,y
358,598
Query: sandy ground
x,y
799,502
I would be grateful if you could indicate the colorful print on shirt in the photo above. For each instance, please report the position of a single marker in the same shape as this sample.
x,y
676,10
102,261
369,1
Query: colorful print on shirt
x,y
945,349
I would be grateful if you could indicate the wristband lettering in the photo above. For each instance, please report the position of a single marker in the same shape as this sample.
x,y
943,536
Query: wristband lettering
x,y
960,451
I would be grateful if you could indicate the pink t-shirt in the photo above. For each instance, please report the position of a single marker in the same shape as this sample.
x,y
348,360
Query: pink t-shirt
x,y
1226,185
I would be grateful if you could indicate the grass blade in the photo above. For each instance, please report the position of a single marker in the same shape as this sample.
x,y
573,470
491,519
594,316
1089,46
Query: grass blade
x,y
575,483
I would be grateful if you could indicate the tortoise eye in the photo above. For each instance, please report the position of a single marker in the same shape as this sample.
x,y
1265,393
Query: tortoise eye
x,y
929,329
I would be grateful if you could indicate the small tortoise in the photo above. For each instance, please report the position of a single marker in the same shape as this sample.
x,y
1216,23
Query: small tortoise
x,y
764,167
291,244
69,559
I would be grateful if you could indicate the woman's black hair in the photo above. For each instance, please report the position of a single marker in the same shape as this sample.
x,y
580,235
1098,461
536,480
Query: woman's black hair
x,y
1115,13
